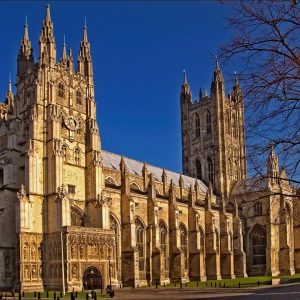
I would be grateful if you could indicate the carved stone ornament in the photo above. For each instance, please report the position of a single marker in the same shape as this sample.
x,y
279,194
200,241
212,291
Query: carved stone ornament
x,y
71,123
61,192
22,193
103,200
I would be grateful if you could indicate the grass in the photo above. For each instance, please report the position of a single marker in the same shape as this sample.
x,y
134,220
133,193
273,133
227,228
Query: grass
x,y
237,282
80,295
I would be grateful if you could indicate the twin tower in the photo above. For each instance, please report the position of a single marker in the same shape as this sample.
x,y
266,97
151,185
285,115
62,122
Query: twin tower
x,y
213,138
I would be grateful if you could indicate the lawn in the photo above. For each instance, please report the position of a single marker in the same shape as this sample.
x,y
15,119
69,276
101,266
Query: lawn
x,y
238,282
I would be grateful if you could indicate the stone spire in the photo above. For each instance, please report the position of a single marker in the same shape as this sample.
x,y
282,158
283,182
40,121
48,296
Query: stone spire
x,y
25,57
70,63
85,66
185,95
47,41
64,52
9,97
273,165
236,87
25,48
217,84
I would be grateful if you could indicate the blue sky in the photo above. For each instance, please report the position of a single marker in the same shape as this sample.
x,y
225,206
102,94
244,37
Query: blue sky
x,y
139,49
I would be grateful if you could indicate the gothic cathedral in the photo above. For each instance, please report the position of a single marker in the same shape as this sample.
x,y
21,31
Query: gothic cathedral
x,y
73,214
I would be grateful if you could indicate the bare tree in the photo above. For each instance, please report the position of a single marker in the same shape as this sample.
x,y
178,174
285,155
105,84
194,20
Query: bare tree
x,y
266,43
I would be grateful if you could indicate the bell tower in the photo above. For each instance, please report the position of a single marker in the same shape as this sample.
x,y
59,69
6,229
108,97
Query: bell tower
x,y
213,140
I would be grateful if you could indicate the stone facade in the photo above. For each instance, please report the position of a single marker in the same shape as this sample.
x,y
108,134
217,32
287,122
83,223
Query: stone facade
x,y
213,150
74,214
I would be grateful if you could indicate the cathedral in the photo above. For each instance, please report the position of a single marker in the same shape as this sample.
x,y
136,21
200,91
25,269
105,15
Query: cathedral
x,y
73,215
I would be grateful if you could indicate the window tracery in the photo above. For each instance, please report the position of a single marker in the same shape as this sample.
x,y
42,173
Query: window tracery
x,y
61,90
208,121
183,243
197,125
140,243
210,170
78,97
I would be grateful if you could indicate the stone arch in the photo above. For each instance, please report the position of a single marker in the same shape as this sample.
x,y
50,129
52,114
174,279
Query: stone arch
x,y
110,182
134,187
77,216
92,278
115,226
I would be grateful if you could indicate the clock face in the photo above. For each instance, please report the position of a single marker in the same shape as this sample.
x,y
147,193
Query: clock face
x,y
71,123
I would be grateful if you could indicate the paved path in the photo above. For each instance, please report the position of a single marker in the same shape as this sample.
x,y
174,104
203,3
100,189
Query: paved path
x,y
290,291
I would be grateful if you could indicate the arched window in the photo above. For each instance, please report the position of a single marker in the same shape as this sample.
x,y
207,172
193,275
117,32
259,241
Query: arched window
x,y
140,243
183,243
163,240
134,187
202,240
64,152
217,241
1,176
77,218
257,207
110,182
198,169
208,122
210,169
197,125
114,225
78,97
258,245
61,90
77,156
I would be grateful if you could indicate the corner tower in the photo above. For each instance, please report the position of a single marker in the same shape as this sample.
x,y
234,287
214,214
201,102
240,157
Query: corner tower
x,y
212,129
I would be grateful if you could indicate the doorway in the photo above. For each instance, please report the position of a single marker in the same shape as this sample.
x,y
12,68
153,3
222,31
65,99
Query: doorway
x,y
92,279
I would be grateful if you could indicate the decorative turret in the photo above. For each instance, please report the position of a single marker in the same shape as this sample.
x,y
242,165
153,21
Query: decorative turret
x,y
47,52
273,166
25,57
70,63
9,98
217,83
85,66
185,95
236,88
64,53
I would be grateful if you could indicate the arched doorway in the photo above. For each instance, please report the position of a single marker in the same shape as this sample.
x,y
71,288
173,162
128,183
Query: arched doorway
x,y
92,279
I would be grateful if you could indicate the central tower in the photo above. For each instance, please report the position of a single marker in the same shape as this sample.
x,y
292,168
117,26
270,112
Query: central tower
x,y
212,129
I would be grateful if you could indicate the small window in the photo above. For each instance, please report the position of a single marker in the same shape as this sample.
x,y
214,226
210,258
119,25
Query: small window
x,y
71,189
64,152
61,90
208,122
77,156
197,125
1,177
79,97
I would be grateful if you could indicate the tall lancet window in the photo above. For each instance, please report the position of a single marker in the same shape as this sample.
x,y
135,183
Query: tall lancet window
x,y
163,239
208,122
183,243
140,243
198,169
1,177
210,169
197,125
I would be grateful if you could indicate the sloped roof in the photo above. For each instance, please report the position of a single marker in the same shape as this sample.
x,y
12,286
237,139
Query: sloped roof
x,y
249,185
112,161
